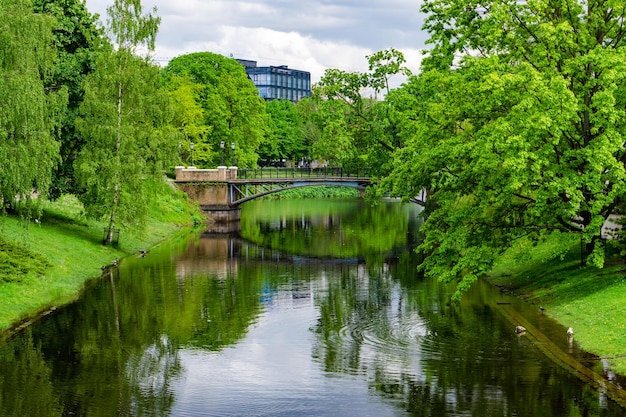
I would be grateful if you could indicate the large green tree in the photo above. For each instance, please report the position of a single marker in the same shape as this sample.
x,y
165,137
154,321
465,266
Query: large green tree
x,y
189,120
286,138
77,38
234,111
307,110
28,151
124,120
515,127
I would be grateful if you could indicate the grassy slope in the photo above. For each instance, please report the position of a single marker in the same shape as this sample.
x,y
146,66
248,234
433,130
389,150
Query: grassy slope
x,y
590,300
67,249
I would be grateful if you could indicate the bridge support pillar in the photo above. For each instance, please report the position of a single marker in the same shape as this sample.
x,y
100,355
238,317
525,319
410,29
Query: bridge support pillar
x,y
223,220
222,214
213,199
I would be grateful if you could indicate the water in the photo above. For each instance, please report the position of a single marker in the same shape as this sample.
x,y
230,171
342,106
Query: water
x,y
315,309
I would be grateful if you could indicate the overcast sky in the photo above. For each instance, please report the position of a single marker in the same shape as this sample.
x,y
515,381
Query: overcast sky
x,y
309,35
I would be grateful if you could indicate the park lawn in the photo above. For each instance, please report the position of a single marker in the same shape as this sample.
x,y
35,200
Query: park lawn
x,y
590,300
46,264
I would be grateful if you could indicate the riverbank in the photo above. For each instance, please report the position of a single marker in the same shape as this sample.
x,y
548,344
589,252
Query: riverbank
x,y
590,300
46,262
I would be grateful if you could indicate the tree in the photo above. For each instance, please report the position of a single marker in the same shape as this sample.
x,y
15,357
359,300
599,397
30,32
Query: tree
x,y
234,111
286,133
28,151
365,133
189,119
307,109
517,129
336,141
77,38
124,122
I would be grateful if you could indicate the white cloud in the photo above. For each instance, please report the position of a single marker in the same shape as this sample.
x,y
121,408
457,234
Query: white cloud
x,y
309,35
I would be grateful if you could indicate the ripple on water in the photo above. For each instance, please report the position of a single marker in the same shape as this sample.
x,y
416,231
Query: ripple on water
x,y
394,343
385,334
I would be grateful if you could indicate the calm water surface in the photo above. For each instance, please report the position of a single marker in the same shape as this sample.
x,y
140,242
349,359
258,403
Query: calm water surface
x,y
313,309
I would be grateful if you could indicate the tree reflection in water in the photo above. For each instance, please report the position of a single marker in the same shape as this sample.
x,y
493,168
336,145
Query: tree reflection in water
x,y
272,325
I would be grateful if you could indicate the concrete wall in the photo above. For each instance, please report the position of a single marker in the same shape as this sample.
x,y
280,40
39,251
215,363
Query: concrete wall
x,y
206,194
222,173
209,188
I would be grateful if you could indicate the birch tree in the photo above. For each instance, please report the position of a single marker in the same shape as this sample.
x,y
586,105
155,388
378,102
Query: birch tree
x,y
124,121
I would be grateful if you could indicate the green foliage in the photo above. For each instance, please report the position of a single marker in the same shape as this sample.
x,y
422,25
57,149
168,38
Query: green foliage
x,y
335,144
286,138
315,192
307,109
115,162
17,261
28,151
233,111
189,119
125,120
518,140
77,38
355,130
129,28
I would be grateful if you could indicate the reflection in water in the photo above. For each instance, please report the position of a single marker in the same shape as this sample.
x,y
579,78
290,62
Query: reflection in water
x,y
216,325
336,228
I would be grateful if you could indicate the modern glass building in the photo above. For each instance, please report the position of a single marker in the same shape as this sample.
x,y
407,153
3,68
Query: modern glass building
x,y
278,83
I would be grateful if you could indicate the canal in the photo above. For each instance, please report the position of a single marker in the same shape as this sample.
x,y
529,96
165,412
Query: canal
x,y
312,309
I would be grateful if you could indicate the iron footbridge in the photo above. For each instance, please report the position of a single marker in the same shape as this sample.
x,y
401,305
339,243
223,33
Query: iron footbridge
x,y
255,183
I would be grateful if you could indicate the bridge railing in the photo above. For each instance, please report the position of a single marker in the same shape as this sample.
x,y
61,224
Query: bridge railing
x,y
322,172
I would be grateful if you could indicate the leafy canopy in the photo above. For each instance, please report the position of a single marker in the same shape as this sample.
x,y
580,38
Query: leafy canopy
x,y
28,152
515,128
233,110
354,125
125,122
286,138
77,38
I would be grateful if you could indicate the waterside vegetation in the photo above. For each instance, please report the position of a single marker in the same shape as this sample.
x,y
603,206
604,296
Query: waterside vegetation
x,y
588,299
514,128
46,262
315,192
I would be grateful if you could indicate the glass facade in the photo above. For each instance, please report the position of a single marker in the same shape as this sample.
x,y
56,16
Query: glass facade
x,y
279,83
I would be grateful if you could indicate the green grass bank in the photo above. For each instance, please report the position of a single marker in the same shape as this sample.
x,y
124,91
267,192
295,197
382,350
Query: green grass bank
x,y
45,263
590,300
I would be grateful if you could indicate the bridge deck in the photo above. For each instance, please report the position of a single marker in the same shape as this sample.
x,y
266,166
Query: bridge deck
x,y
320,180
285,173
227,187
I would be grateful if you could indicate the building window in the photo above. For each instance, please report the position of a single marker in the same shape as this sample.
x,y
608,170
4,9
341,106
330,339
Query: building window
x,y
279,82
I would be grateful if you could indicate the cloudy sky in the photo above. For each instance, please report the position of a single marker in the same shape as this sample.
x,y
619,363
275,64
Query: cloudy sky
x,y
309,35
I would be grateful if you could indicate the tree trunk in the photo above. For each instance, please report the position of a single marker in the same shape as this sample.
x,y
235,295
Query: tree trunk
x,y
116,175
